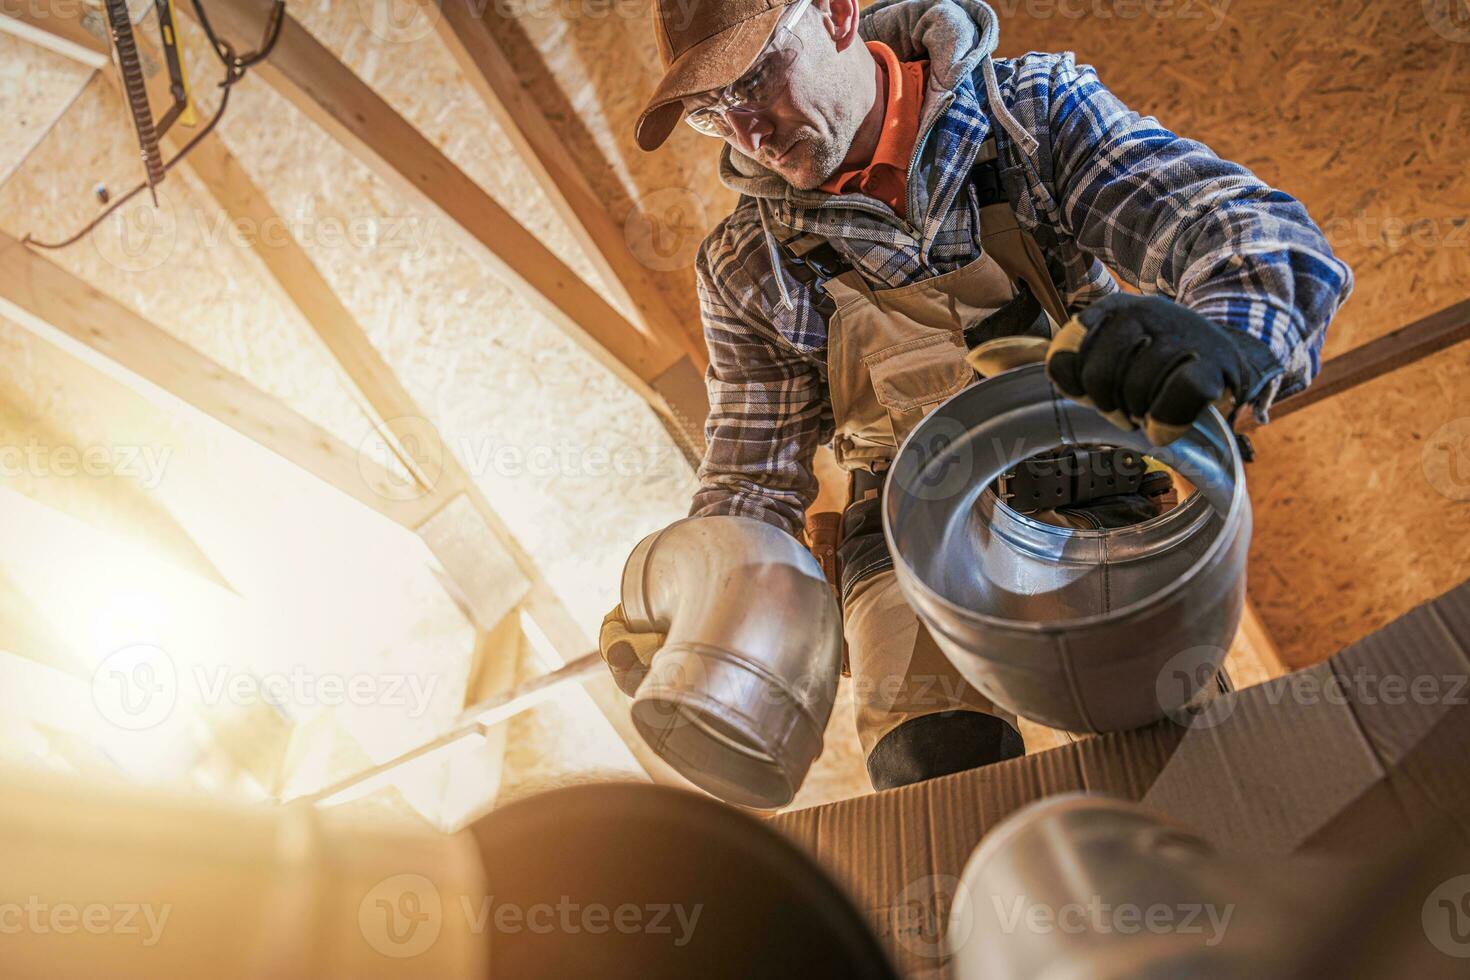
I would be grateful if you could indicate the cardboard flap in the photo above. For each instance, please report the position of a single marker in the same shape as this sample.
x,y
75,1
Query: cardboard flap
x,y
1368,746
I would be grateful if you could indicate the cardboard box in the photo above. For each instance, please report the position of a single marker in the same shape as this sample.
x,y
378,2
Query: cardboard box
x,y
1367,747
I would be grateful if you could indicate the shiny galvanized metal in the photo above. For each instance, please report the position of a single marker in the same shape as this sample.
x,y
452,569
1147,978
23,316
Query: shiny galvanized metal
x,y
738,696
1088,887
1084,630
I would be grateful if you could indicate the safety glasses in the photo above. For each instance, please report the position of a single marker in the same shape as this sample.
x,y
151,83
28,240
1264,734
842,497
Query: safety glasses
x,y
760,86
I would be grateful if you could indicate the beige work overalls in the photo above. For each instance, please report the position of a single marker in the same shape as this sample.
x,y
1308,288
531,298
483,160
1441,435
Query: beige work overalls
x,y
893,355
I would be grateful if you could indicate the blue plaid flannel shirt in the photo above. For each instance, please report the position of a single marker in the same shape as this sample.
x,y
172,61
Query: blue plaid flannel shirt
x,y
1101,188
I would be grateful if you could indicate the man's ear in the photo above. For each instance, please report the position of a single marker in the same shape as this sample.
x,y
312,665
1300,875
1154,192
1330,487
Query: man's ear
x,y
840,19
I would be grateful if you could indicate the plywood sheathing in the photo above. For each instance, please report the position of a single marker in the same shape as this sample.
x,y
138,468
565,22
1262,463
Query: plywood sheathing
x,y
1360,110
36,86
400,57
576,463
175,265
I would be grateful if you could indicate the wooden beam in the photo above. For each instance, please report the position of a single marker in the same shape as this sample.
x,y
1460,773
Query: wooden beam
x,y
472,537
65,35
466,30
1264,658
80,318
489,571
550,629
326,91
497,660
1398,348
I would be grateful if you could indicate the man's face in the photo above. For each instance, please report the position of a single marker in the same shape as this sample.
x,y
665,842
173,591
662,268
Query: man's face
x,y
806,131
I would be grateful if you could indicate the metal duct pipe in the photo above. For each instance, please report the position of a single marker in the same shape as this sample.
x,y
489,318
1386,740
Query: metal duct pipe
x,y
1085,886
1084,630
739,695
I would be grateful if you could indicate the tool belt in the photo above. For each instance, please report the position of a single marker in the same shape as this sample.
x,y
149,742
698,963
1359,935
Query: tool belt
x,y
861,550
1077,476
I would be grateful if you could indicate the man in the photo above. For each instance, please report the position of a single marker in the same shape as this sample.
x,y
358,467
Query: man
x,y
906,197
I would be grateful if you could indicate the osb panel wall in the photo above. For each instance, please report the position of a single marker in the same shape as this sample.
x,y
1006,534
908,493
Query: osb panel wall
x,y
175,265
35,86
574,461
1359,109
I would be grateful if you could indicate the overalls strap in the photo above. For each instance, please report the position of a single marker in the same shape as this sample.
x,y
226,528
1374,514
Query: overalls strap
x,y
815,261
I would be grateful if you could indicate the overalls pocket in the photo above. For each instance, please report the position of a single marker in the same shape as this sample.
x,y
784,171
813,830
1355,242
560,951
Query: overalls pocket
x,y
912,378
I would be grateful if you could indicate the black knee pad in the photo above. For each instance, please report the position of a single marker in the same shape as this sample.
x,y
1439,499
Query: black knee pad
x,y
939,744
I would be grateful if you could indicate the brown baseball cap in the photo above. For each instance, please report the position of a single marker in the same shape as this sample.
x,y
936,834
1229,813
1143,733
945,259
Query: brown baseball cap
x,y
702,45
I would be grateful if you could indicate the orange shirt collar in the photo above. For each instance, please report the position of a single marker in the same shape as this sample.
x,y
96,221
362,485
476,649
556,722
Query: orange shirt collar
x,y
900,129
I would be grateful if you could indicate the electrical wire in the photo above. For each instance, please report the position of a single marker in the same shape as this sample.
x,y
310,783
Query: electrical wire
x,y
235,68
141,187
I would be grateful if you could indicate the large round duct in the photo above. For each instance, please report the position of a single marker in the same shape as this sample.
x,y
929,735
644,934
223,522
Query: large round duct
x,y
1084,630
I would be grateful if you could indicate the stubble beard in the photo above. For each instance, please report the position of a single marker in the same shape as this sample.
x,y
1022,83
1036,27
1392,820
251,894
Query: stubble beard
x,y
816,159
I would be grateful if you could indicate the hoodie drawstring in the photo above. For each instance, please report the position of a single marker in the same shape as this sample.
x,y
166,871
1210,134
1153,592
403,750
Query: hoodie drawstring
x,y
1017,132
998,109
774,249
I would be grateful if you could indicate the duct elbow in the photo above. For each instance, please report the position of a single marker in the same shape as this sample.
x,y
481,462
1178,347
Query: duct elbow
x,y
740,693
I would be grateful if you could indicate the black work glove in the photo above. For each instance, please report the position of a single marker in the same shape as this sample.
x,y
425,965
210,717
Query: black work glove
x,y
1147,362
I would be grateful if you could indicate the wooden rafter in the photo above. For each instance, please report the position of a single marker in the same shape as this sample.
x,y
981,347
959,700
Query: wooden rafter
x,y
465,28
326,91
84,320
64,35
490,573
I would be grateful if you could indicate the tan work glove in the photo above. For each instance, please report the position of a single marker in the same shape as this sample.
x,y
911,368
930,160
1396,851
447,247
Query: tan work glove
x,y
627,654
